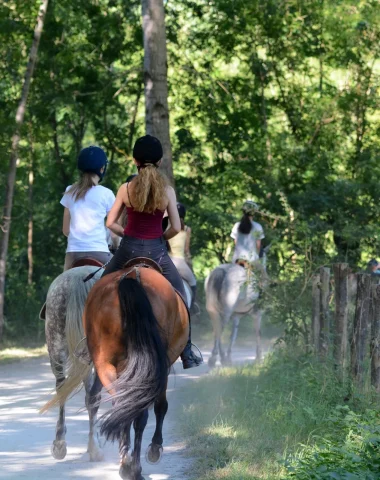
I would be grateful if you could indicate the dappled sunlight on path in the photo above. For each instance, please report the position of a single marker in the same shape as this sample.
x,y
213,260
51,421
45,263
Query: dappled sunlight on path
x,y
26,436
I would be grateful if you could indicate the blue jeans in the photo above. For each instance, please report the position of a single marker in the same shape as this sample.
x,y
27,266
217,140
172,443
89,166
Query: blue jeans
x,y
155,249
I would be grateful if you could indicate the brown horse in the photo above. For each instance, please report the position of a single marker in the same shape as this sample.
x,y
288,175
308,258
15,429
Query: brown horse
x,y
136,327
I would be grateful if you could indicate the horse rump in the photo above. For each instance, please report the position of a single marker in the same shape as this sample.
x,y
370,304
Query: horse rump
x,y
213,287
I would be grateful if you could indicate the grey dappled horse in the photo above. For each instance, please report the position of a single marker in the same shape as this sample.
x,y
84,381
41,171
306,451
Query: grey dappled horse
x,y
232,291
64,308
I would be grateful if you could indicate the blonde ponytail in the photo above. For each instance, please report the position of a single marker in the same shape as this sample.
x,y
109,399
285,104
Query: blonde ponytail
x,y
80,188
149,193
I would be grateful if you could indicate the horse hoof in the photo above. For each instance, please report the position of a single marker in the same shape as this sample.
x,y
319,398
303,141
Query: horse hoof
x,y
212,362
96,455
226,361
153,454
126,473
59,449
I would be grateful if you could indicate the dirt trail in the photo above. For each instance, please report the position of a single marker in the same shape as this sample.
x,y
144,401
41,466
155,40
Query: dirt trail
x,y
26,436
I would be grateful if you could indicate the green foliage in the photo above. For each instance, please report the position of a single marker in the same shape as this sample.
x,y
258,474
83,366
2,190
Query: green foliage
x,y
268,100
351,453
288,418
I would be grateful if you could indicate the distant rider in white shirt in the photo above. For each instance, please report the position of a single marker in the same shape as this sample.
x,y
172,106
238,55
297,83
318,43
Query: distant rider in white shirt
x,y
87,204
247,235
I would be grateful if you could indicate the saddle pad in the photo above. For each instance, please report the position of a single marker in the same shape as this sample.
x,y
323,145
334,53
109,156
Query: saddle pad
x,y
82,262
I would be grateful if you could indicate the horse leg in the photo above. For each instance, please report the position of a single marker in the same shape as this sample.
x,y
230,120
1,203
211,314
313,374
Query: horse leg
x,y
132,470
154,451
59,447
235,328
216,325
258,316
124,447
223,357
93,387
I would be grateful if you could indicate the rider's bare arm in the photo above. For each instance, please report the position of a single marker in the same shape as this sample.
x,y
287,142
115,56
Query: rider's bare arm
x,y
258,246
66,222
187,244
115,213
175,222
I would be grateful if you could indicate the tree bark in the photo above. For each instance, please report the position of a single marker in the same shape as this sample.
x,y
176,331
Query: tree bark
x,y
375,338
341,271
30,206
20,114
359,344
155,79
315,316
324,312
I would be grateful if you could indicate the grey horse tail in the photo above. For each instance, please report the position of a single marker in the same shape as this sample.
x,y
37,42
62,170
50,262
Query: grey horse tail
x,y
213,286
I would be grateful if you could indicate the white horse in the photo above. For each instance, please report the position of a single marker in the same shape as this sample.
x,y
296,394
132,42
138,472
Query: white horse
x,y
63,327
233,291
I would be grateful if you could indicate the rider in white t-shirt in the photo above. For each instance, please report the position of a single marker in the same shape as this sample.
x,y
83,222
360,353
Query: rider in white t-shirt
x,y
247,235
86,205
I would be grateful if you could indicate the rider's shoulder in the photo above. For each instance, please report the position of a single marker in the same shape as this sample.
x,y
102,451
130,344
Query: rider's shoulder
x,y
170,190
103,190
257,225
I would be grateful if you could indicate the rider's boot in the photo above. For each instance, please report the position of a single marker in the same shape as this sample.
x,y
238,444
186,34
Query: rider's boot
x,y
188,357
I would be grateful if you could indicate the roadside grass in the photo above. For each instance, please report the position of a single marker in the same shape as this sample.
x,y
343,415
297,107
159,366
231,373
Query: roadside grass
x,y
290,417
15,352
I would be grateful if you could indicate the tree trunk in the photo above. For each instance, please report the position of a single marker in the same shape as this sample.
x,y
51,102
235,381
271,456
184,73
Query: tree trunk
x,y
155,79
30,206
341,271
324,312
315,316
20,114
375,338
359,344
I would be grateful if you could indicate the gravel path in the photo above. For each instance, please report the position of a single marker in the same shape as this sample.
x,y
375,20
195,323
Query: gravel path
x,y
26,436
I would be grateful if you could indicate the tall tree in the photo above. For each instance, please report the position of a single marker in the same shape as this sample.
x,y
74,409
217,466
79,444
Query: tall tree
x,y
155,79
20,115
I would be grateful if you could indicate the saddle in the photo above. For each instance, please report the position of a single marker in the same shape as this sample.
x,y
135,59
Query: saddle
x,y
143,262
81,262
242,263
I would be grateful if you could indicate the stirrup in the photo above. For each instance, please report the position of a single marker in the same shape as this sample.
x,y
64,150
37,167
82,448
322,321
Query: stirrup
x,y
200,353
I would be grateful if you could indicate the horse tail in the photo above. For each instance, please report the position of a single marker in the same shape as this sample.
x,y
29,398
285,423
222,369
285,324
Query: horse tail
x,y
146,370
76,370
213,288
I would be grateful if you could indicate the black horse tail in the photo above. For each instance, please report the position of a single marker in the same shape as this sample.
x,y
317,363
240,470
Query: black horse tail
x,y
146,370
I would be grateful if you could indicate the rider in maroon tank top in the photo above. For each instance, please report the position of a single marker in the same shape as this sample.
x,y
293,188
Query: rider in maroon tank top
x,y
143,225
146,198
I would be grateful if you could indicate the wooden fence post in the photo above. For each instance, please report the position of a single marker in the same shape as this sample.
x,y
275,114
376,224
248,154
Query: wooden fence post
x,y
375,338
341,271
359,344
324,311
315,315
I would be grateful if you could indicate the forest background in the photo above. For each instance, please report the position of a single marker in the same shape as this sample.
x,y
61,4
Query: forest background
x,y
274,100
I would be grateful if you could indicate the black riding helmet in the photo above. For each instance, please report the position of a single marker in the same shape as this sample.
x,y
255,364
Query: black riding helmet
x,y
181,210
147,151
92,159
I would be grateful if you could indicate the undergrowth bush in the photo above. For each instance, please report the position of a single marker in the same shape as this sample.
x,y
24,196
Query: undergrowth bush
x,y
288,418
350,452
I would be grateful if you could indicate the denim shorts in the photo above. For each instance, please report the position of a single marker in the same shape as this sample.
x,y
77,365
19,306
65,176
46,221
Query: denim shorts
x,y
154,249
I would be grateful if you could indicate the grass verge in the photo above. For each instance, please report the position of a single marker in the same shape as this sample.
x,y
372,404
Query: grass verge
x,y
11,354
290,418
